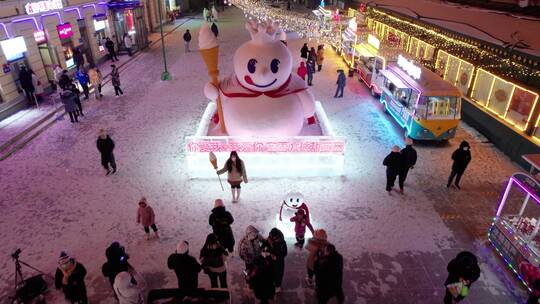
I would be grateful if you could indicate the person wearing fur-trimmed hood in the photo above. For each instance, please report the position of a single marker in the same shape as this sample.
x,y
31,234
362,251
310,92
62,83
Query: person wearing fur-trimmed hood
x,y
250,246
127,289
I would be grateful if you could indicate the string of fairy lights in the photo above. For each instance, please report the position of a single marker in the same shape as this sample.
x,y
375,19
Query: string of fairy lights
x,y
467,50
305,25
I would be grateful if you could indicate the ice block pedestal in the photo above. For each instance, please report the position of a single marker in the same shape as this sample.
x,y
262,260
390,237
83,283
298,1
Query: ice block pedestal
x,y
316,152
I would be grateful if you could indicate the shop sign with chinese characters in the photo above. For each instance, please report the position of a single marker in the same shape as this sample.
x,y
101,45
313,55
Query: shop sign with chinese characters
x,y
40,37
64,30
43,6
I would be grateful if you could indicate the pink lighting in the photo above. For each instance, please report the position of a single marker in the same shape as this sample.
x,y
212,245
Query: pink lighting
x,y
64,30
267,146
507,190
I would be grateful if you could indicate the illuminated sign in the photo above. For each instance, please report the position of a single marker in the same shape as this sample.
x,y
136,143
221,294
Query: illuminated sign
x,y
64,30
305,146
43,6
13,48
373,41
99,25
352,24
40,37
408,66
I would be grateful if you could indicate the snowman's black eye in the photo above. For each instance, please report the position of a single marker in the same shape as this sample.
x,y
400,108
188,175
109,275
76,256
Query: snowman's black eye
x,y
298,200
251,65
274,66
291,200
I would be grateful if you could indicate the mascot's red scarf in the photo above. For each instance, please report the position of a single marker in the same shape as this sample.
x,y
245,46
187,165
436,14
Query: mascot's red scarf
x,y
231,87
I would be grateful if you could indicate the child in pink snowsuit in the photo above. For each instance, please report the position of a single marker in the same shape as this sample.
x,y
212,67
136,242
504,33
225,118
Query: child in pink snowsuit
x,y
299,220
146,217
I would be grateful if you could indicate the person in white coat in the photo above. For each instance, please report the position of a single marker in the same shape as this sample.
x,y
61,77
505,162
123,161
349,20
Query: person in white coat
x,y
126,289
37,86
128,43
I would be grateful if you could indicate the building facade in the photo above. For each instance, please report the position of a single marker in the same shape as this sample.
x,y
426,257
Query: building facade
x,y
44,34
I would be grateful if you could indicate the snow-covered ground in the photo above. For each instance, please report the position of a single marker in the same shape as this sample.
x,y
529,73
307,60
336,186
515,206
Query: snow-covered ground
x,y
55,195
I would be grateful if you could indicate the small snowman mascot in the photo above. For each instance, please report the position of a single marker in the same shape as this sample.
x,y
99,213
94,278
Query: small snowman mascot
x,y
292,202
263,97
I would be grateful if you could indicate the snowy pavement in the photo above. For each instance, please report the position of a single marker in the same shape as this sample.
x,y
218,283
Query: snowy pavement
x,y
55,195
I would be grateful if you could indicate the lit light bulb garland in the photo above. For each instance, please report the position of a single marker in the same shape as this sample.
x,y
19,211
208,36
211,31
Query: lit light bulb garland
x,y
305,25
469,51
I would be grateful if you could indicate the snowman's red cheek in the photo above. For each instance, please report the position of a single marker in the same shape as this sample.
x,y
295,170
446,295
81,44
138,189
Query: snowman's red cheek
x,y
248,80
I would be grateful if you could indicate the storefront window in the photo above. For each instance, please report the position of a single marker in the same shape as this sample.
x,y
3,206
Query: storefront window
x,y
521,105
500,96
482,87
67,47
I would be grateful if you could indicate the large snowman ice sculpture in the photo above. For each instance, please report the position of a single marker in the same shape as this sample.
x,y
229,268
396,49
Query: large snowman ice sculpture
x,y
292,202
263,97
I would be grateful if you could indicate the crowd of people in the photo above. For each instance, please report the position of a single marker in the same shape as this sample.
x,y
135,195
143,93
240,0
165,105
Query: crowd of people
x,y
263,257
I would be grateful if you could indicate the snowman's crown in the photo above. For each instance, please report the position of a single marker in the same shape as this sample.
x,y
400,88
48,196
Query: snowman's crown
x,y
264,32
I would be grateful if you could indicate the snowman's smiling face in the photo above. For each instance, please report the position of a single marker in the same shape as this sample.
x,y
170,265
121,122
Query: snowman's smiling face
x,y
262,67
293,200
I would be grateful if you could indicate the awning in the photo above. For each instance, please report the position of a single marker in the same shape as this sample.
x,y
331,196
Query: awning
x,y
365,50
396,80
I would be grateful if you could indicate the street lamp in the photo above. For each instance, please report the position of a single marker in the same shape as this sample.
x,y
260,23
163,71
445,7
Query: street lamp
x,y
165,75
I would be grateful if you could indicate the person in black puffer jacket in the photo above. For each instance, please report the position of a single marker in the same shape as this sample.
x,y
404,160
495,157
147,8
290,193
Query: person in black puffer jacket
x,y
393,163
260,278
462,269
105,145
185,266
212,259
221,221
278,251
461,158
409,160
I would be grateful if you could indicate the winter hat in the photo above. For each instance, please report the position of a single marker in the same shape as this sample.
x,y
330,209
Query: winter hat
x,y
252,232
218,203
64,258
143,200
408,141
182,247
320,234
395,148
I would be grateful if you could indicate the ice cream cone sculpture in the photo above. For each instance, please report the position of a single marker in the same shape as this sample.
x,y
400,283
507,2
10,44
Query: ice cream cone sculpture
x,y
209,49
213,160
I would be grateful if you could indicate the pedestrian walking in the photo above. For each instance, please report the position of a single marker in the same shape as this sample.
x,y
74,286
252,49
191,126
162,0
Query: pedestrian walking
x,y
221,220
83,79
302,70
187,40
463,270
76,97
117,261
300,222
115,80
127,289
250,246
277,247
212,259
109,44
214,29
260,278
69,277
310,70
25,79
70,106
393,163
105,146
320,57
341,82
185,267
96,79
461,158
409,160
312,55
317,243
236,174
38,87
128,43
304,51
147,218
329,275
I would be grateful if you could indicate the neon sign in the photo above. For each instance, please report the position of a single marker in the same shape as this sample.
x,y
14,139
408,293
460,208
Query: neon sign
x,y
40,37
64,30
409,67
310,146
43,6
373,41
